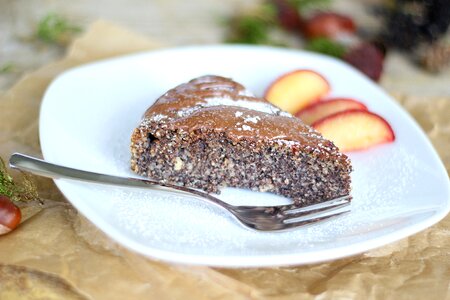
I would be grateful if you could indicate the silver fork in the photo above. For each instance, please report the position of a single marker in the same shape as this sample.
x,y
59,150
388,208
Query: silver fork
x,y
264,218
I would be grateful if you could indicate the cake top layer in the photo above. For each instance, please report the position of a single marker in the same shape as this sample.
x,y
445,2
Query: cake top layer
x,y
218,103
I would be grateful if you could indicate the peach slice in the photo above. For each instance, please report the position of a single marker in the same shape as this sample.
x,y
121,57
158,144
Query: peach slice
x,y
355,129
297,89
321,109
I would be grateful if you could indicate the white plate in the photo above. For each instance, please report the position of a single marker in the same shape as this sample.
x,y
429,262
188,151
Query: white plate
x,y
88,114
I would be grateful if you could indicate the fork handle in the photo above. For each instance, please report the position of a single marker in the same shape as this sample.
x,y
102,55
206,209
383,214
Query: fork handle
x,y
42,168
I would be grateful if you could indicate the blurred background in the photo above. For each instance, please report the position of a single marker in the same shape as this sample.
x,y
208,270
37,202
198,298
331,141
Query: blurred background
x,y
395,42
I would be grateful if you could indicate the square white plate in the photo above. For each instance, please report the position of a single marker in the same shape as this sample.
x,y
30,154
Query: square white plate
x,y
89,112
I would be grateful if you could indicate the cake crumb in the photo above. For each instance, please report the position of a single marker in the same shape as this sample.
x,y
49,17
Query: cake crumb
x,y
178,164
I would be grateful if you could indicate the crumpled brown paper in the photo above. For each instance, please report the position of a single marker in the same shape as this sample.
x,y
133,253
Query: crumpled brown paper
x,y
57,254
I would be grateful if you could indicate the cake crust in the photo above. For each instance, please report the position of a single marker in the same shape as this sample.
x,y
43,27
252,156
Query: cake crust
x,y
211,132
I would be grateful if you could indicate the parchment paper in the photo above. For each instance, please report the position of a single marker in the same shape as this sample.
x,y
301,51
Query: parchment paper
x,y
57,254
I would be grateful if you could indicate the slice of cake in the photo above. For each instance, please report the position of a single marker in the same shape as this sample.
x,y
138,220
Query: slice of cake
x,y
211,133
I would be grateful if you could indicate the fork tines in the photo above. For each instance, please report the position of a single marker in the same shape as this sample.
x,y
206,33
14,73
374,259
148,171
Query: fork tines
x,y
322,210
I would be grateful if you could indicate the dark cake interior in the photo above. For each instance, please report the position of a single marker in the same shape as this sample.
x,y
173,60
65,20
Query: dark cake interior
x,y
211,133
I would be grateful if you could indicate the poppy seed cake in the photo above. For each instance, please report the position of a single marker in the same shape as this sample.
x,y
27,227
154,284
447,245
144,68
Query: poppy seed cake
x,y
211,133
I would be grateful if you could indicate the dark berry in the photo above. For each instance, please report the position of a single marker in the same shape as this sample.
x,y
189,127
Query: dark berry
x,y
288,15
367,58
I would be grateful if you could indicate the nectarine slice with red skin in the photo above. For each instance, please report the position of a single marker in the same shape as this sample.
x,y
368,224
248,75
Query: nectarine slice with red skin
x,y
324,108
355,129
297,89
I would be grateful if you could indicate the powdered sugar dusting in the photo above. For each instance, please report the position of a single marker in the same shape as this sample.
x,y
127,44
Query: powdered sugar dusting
x,y
246,93
263,107
246,127
187,111
251,119
288,143
285,114
153,213
399,162
157,117
255,105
